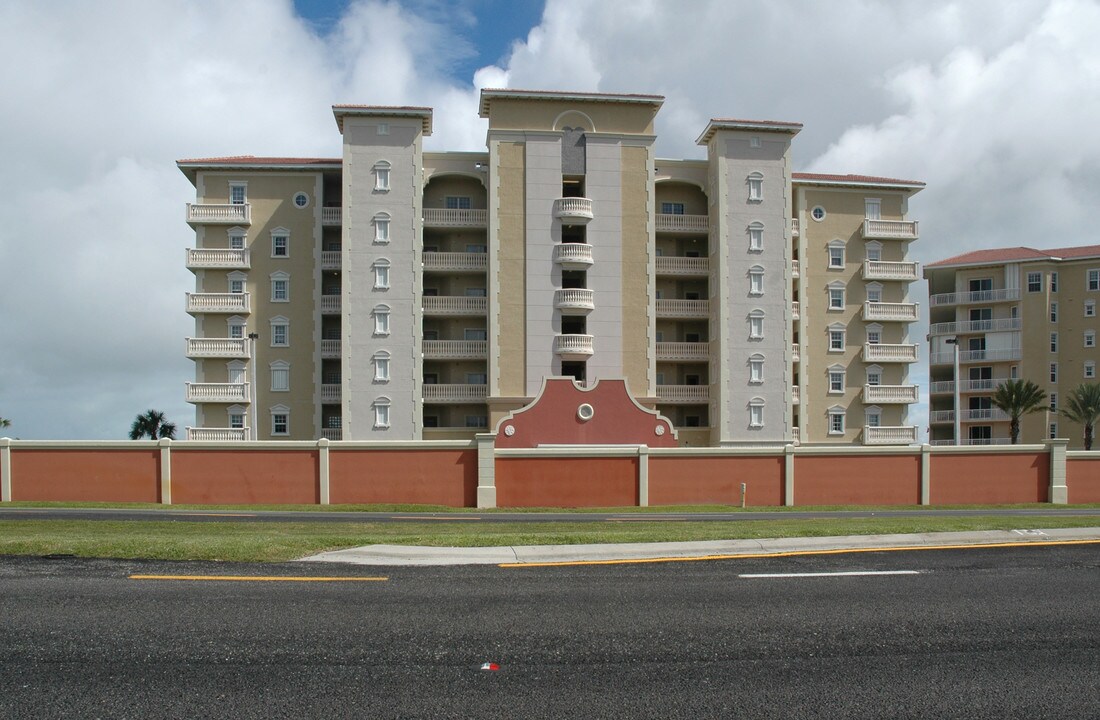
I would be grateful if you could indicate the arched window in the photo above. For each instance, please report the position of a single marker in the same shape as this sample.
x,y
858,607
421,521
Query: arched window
x,y
381,408
381,227
756,324
381,269
756,280
381,362
755,182
381,319
756,412
382,175
756,369
756,237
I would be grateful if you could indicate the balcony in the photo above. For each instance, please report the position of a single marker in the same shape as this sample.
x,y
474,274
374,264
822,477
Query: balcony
x,y
889,229
683,394
683,308
973,356
978,296
330,394
218,259
882,270
454,393
219,214
890,394
682,223
900,312
796,395
198,303
978,415
455,349
217,392
795,271
332,433
575,301
454,306
217,348
889,435
573,256
683,351
208,434
331,304
455,261
889,353
974,326
796,311
454,218
330,349
683,266
947,387
332,216
796,353
794,227
331,260
573,347
974,441
573,210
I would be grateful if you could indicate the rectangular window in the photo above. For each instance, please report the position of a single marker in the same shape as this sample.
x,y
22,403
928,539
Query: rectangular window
x,y
477,421
836,340
236,331
836,423
457,202
874,377
1054,401
1054,282
756,283
1090,308
1090,338
1054,372
381,416
280,246
280,335
836,381
236,241
756,371
1054,312
474,334
236,286
1054,342
280,290
381,230
236,420
1034,282
756,187
756,239
836,256
381,322
756,327
1093,282
382,277
836,298
476,378
874,293
237,193
874,419
381,369
872,208
280,379
1053,430
874,337
756,416
672,208
474,292
280,423
1090,369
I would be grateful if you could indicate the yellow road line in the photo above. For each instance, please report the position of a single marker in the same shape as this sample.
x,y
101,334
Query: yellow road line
x,y
257,578
793,553
442,519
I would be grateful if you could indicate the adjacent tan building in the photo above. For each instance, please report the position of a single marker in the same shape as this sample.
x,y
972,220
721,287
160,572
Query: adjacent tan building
x,y
1015,313
398,294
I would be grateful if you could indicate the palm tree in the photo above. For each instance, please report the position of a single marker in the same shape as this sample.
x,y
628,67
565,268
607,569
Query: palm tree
x,y
152,424
1017,398
1083,406
4,422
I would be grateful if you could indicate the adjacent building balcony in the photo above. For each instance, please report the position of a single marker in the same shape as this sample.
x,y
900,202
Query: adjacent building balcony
x,y
683,309
455,218
217,348
217,392
218,259
889,353
795,269
796,353
977,415
683,266
795,228
694,224
575,301
977,296
974,441
198,303
331,260
889,229
883,270
573,256
330,394
683,351
573,347
455,349
796,395
454,393
332,433
219,214
889,435
330,349
210,434
573,209
332,216
454,306
683,394
974,326
331,304
455,262
890,394
947,387
796,311
900,312
973,356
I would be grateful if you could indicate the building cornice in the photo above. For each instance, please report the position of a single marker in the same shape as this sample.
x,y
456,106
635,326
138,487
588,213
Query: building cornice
x,y
384,111
490,94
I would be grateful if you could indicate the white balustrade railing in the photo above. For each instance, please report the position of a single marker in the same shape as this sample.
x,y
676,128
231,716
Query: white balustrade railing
x,y
330,348
217,347
977,296
983,385
795,269
968,415
220,214
889,435
682,223
969,356
573,345
692,351
890,229
683,265
330,393
217,392
575,254
331,259
974,441
331,304
454,305
796,311
890,394
904,312
574,208
218,258
453,217
332,433
210,434
974,326
683,308
332,216
796,353
454,349
882,352
575,299
453,392
885,270
218,303
451,261
794,227
796,395
686,394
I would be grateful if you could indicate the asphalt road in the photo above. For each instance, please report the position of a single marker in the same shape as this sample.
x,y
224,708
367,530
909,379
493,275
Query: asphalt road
x,y
53,513
979,633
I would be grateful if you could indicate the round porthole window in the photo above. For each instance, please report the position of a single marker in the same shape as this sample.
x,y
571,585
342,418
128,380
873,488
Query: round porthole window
x,y
509,430
818,213
659,430
585,412
301,200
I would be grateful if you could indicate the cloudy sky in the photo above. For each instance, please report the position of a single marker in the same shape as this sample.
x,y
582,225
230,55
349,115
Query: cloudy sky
x,y
994,104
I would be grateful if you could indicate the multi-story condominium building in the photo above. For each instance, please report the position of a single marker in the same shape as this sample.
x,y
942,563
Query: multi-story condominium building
x,y
1010,313
397,294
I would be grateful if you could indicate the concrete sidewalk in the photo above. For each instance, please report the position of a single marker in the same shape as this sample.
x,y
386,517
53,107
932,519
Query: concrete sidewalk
x,y
418,555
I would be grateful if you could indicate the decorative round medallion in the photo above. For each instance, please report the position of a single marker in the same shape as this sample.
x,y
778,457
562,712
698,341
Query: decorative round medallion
x,y
509,430
585,412
660,430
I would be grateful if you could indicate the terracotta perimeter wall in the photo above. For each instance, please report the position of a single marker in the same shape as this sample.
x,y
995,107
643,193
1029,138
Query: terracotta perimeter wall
x,y
567,482
715,480
437,477
990,479
244,477
857,480
1083,479
86,475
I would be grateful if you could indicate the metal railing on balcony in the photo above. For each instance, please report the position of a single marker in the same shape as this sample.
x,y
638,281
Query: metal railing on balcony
x,y
332,433
218,303
573,208
332,216
974,326
683,266
890,394
889,229
883,270
683,308
219,214
977,296
211,434
975,415
217,347
575,301
882,352
217,392
331,304
452,217
683,351
573,346
683,394
456,261
944,387
682,223
331,259
454,393
330,349
971,356
218,259
454,349
454,305
901,312
889,435
974,441
330,394
573,256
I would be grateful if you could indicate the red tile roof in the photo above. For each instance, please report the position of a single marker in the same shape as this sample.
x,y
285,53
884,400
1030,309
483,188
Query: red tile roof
x,y
996,256
854,179
253,160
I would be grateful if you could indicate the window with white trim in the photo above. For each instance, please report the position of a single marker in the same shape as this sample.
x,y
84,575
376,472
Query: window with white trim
x,y
381,408
756,237
381,361
872,208
301,200
382,129
381,270
1092,281
382,176
756,412
1054,312
474,334
1090,308
817,213
836,379
756,369
1090,369
381,319
280,332
873,251
1054,282
237,238
236,414
1054,342
836,296
238,193
1053,430
756,324
235,326
381,223
235,372
836,421
836,337
1054,372
1090,338
280,287
1034,282
280,243
874,334
672,208
236,281
1014,372
476,421
872,416
756,280
836,255
1053,401
280,376
456,202
756,187
280,420
874,292
874,374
